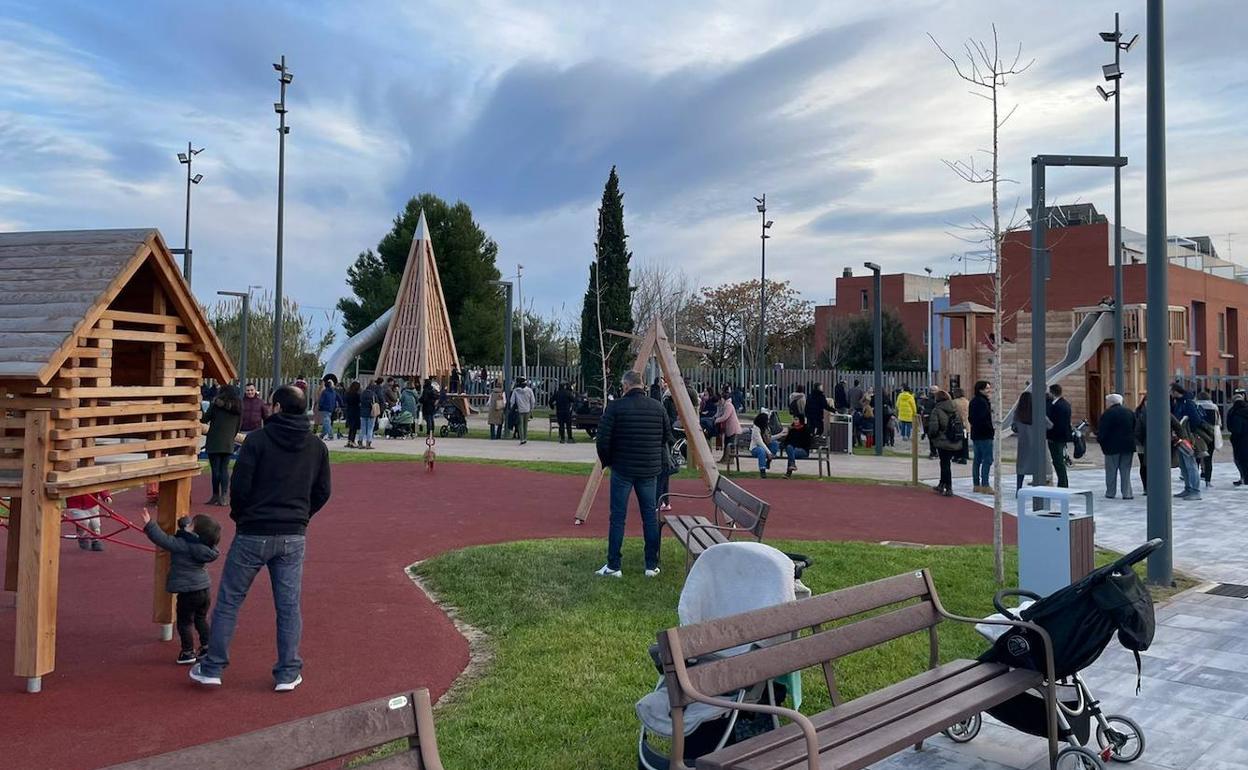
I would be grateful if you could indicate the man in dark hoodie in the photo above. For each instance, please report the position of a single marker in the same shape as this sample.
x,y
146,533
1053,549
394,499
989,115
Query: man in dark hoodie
x,y
281,479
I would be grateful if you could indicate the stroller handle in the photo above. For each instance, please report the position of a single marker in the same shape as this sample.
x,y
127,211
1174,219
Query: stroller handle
x,y
1138,555
998,600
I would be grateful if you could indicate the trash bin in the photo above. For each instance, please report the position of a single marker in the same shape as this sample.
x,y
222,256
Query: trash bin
x,y
1055,544
840,433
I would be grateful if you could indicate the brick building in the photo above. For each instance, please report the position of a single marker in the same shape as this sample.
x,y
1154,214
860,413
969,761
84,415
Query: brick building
x,y
1208,298
911,297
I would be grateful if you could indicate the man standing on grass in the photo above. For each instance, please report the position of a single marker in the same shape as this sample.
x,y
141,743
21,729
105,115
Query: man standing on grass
x,y
632,436
280,480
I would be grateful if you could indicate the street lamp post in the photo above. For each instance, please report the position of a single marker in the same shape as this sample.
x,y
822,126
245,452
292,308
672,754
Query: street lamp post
x,y
1113,73
284,78
931,337
186,159
762,301
877,344
245,296
524,364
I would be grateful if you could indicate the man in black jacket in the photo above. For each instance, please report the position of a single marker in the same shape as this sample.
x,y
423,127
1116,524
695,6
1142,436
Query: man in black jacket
x,y
280,480
816,407
983,434
1116,434
632,436
1060,434
564,401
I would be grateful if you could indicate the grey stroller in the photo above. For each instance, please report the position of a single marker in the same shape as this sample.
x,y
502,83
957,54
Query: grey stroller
x,y
712,591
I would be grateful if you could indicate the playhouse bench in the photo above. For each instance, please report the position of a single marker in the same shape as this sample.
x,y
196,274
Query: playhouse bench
x,y
306,742
849,735
736,510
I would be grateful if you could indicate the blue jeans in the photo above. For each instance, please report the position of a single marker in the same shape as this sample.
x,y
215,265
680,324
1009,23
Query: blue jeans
x,y
327,425
905,429
283,555
1189,471
366,428
762,455
621,486
496,431
982,462
794,454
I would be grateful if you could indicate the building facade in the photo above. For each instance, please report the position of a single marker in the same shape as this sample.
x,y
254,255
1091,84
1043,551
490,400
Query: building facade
x,y
913,298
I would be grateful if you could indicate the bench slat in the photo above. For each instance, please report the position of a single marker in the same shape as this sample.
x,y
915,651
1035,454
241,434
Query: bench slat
x,y
701,638
695,540
728,674
886,739
852,720
305,742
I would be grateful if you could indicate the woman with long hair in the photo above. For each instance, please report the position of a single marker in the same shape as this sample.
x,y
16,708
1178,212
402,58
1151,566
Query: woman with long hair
x,y
351,408
223,417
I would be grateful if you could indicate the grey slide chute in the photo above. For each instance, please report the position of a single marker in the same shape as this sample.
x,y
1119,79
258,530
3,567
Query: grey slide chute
x,y
1096,328
340,358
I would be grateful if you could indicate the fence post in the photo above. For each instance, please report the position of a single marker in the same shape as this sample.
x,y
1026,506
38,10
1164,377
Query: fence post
x,y
914,447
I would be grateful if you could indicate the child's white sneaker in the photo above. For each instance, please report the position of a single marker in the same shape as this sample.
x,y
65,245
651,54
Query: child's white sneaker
x,y
652,572
606,571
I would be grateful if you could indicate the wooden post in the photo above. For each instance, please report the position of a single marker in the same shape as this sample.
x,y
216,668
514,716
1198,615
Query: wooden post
x,y
12,550
39,551
914,446
174,503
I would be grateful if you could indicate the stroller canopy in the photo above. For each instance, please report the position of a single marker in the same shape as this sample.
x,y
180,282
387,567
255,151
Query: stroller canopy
x,y
1082,618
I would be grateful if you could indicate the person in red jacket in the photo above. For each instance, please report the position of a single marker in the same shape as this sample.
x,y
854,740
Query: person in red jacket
x,y
86,510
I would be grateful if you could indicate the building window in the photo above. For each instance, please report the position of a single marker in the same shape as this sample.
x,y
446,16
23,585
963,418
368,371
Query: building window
x,y
1221,332
866,301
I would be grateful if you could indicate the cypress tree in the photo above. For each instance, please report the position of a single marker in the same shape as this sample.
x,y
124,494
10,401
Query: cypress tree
x,y
612,296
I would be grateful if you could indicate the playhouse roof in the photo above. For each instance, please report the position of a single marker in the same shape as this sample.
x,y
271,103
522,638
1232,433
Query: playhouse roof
x,y
55,284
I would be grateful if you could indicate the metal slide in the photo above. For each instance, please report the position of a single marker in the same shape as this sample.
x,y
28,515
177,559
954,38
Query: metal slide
x,y
1097,328
344,354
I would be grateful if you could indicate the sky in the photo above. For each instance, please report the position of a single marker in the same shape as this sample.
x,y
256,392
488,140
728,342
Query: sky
x,y
841,112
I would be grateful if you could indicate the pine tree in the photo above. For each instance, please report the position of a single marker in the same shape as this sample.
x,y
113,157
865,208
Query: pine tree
x,y
608,298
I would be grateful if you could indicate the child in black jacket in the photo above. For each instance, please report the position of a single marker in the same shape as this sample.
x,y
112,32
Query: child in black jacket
x,y
191,547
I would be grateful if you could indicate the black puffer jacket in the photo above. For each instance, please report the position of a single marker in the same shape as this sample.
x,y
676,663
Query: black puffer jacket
x,y
632,436
1116,431
280,479
188,555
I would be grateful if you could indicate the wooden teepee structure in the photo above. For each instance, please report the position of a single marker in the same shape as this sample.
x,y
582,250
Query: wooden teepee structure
x,y
419,342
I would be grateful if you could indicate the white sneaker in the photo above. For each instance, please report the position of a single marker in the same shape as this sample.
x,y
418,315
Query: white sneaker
x,y
652,572
606,571
203,678
288,686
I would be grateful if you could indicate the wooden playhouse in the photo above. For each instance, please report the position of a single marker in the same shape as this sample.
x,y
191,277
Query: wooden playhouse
x,y
102,350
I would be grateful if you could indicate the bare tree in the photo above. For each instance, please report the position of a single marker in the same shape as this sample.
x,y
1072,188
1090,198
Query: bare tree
x,y
836,337
981,65
660,291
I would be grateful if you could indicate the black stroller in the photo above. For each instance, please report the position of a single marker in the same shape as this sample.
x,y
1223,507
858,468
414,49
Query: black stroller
x,y
456,421
1081,620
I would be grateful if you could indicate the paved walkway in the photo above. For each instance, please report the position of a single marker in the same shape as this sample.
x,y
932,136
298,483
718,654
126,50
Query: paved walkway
x,y
1193,702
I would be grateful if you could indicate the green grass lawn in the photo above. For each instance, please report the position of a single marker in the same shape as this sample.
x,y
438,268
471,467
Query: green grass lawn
x,y
567,650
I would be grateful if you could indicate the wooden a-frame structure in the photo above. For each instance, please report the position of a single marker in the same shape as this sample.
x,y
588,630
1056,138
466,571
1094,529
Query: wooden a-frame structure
x,y
419,342
102,350
655,343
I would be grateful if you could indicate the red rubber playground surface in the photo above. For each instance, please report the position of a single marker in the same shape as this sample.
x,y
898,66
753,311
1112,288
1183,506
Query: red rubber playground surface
x,y
368,631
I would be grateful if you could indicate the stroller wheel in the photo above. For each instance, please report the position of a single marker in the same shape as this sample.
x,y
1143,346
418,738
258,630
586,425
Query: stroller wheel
x,y
1123,737
444,432
966,730
1078,758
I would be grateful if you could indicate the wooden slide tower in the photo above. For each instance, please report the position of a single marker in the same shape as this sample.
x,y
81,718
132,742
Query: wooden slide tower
x,y
419,343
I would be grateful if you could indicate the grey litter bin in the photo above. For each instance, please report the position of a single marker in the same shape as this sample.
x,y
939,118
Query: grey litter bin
x,y
1055,544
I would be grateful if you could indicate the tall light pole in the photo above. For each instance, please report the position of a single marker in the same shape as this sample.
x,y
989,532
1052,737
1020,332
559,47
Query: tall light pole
x,y
506,287
1113,73
1157,416
245,296
877,344
762,301
284,77
186,159
524,365
931,336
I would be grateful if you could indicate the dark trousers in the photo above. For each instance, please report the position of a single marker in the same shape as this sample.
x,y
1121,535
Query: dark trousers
x,y
1057,452
1206,467
353,427
1143,472
192,610
1241,461
219,464
428,415
946,467
565,426
644,488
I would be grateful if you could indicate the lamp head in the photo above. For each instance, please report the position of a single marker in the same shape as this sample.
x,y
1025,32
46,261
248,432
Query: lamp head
x,y
1112,72
1129,44
767,225
279,108
871,266
1111,37
182,158
196,152
762,208
195,179
287,77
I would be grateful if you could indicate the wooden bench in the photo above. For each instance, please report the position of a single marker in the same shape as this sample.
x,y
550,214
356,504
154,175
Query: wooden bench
x,y
851,734
312,740
736,510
